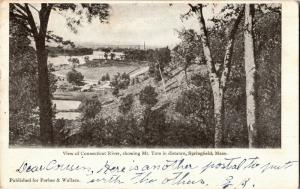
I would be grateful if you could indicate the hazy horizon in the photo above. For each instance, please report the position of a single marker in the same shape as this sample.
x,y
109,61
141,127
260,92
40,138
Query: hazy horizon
x,y
130,24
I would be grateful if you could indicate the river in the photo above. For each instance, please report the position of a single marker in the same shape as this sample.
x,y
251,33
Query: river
x,y
67,109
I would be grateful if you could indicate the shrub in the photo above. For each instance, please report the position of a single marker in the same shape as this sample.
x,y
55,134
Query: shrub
x,y
91,133
197,106
75,77
126,104
120,82
115,91
154,71
125,76
148,96
60,132
74,61
155,128
90,107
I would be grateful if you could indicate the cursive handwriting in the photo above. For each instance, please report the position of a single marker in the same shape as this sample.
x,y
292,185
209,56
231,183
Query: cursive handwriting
x,y
52,165
176,172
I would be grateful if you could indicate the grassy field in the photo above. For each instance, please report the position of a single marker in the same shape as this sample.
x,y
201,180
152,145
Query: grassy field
x,y
95,73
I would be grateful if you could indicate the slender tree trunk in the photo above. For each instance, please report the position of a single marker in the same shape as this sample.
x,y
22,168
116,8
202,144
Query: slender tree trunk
x,y
218,113
45,114
186,77
218,83
250,69
163,81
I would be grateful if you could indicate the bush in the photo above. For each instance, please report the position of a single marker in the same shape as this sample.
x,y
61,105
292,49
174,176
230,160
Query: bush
x,y
75,77
148,96
99,132
125,76
91,133
90,107
115,91
120,82
196,105
126,104
60,132
155,128
154,71
74,61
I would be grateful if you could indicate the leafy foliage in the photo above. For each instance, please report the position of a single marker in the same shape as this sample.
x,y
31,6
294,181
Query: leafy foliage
x,y
74,62
23,90
75,77
148,96
76,51
197,103
126,104
90,10
189,48
120,82
268,56
112,56
162,59
89,108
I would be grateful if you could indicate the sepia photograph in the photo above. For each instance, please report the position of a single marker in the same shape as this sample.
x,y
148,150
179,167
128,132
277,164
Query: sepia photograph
x,y
145,75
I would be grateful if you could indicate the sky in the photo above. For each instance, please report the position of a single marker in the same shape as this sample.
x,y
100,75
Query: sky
x,y
130,24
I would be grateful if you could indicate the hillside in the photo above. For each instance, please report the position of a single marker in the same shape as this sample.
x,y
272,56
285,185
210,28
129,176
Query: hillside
x,y
175,84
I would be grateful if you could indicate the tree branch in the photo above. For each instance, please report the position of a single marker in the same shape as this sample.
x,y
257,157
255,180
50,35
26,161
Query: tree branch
x,y
20,6
205,43
20,11
20,16
31,21
33,7
229,49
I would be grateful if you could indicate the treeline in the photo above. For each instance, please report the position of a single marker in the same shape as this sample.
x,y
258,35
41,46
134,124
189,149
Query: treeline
x,y
57,51
149,55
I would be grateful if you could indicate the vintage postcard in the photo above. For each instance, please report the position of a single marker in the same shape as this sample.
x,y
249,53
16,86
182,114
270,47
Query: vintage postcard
x,y
149,94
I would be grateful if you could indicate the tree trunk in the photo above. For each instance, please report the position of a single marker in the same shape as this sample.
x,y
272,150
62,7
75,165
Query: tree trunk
x,y
186,77
218,113
214,82
45,114
218,83
250,69
163,81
